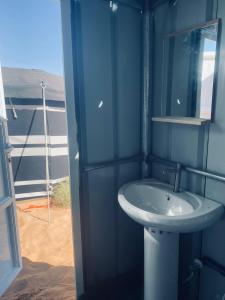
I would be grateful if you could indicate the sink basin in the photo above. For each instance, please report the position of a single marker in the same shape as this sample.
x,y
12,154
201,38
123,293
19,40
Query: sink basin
x,y
164,215
153,204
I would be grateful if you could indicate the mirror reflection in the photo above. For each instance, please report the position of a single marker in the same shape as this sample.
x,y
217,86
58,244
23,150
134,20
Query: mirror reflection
x,y
189,68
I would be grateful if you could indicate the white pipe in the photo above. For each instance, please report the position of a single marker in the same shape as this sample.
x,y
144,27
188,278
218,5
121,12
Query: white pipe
x,y
43,86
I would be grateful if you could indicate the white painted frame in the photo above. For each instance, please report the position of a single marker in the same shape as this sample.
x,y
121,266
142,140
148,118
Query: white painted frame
x,y
8,203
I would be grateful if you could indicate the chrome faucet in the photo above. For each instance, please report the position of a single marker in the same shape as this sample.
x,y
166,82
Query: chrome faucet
x,y
177,170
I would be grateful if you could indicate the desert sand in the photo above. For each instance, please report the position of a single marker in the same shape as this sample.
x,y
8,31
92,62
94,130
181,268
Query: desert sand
x,y
47,251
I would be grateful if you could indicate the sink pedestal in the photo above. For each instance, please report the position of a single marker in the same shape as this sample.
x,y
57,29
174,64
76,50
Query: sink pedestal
x,y
161,265
155,206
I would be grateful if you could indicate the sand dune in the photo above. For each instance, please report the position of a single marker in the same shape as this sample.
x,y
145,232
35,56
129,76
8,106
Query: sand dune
x,y
48,272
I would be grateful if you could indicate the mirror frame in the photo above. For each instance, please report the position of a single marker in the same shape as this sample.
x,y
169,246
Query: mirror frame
x,y
217,22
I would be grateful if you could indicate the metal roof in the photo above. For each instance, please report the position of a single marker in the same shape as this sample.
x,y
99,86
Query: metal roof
x,y
25,83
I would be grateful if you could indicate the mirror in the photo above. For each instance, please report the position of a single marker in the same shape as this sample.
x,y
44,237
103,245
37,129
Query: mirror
x,y
189,68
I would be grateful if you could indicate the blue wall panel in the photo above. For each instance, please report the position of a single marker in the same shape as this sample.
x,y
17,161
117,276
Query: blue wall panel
x,y
101,226
28,122
213,285
130,253
112,117
109,121
25,168
26,133
128,36
96,95
195,146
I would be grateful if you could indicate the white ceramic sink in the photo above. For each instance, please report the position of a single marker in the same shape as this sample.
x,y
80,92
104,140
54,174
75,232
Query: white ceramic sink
x,y
154,205
164,215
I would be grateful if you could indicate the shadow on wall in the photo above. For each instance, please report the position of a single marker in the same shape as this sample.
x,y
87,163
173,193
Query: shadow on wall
x,y
42,281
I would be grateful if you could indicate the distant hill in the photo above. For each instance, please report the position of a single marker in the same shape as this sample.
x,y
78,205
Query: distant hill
x,y
25,83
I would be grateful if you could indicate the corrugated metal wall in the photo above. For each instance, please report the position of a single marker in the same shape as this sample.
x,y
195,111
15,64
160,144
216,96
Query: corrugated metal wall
x,y
108,108
109,122
196,146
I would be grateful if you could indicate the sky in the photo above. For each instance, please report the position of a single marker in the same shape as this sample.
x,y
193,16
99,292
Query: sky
x,y
30,35
210,45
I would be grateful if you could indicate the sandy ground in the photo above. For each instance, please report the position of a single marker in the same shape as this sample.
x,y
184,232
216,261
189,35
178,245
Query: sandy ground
x,y
47,251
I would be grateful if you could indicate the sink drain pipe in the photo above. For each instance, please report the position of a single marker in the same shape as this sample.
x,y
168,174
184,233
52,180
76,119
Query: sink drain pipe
x,y
198,264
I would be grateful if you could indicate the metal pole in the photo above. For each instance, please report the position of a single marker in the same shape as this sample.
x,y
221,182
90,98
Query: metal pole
x,y
200,172
146,89
43,86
